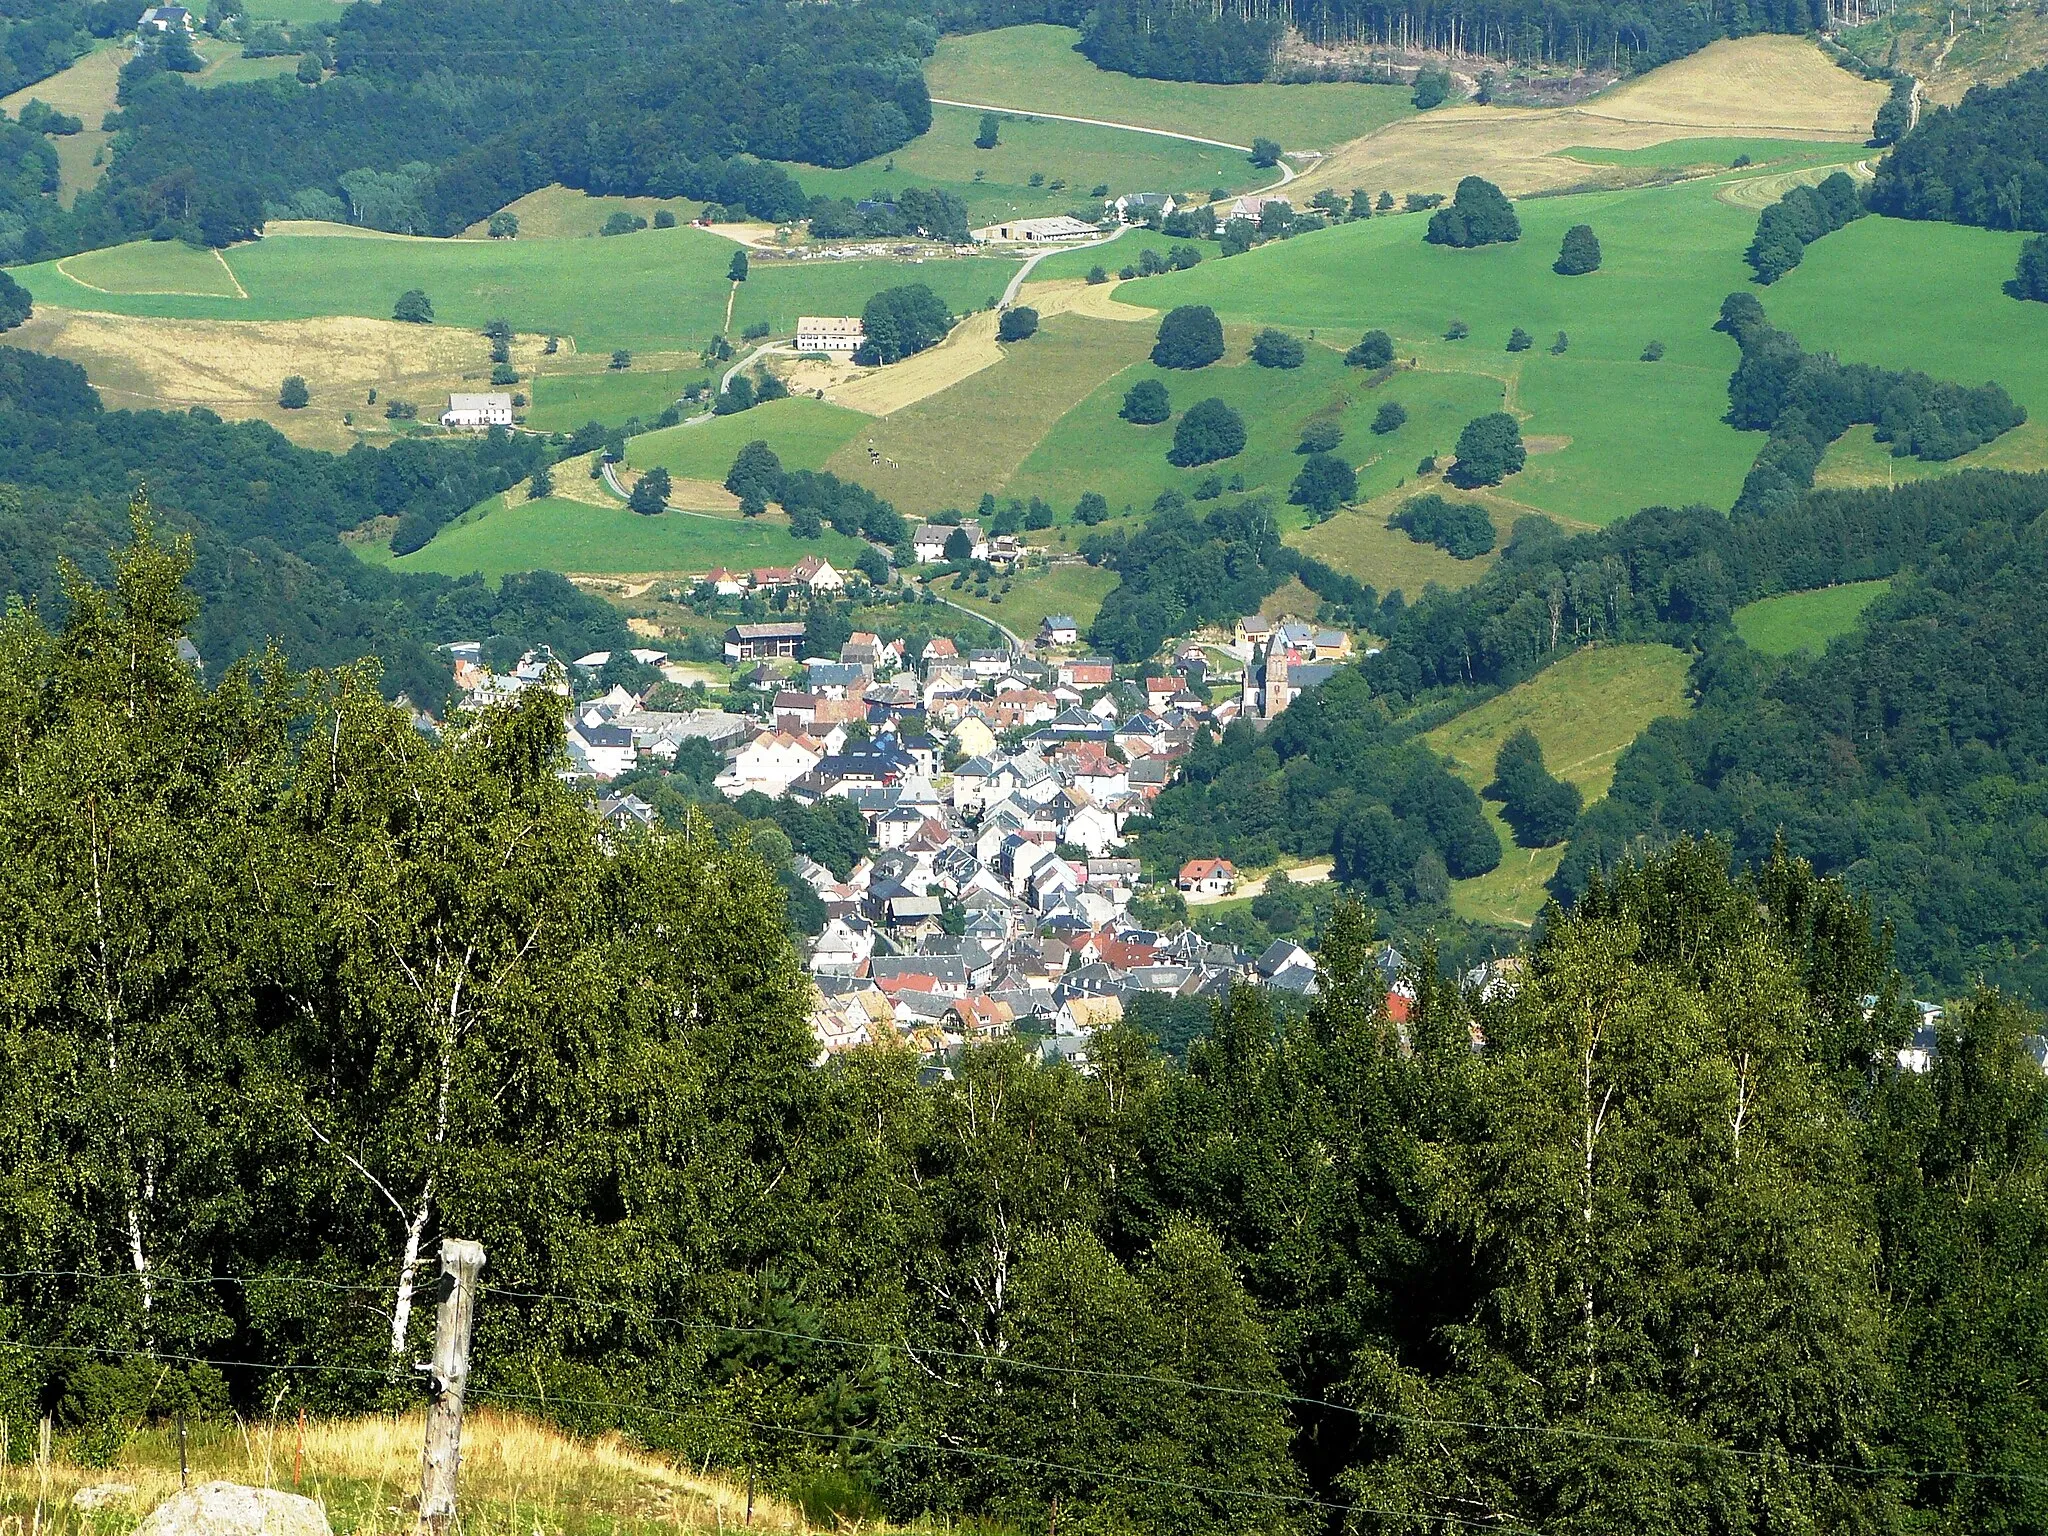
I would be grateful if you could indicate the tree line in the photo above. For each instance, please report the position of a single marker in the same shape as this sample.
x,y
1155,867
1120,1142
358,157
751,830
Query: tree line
x,y
1650,1239
1983,161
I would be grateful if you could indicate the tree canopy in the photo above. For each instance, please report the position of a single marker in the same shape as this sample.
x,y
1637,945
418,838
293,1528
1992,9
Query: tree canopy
x,y
1489,450
1479,214
1579,254
1190,336
1209,430
900,321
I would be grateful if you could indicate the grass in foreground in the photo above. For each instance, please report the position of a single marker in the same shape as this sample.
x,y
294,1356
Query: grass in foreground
x,y
1805,621
1035,68
1585,711
519,1478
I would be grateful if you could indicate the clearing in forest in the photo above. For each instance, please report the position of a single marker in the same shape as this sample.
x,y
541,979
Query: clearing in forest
x,y
1584,711
84,91
1805,621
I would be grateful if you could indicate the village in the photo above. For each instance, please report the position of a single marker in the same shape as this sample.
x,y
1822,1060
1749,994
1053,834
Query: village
x,y
996,894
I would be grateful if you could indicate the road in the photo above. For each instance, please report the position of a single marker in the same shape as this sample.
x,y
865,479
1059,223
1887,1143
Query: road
x,y
1287,172
1301,874
1009,634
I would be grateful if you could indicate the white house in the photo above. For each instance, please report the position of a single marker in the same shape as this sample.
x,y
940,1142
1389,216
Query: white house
x,y
1208,877
1137,207
1252,206
842,334
478,411
160,22
928,544
1056,230
817,573
1058,629
844,944
600,751
770,763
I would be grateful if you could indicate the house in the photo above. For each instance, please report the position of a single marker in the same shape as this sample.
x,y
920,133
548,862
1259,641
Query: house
x,y
1085,1015
769,763
600,751
973,736
726,583
1087,672
843,335
817,574
627,810
160,22
752,642
1056,230
475,412
1253,205
1207,877
1251,636
1058,629
767,577
928,544
844,944
1143,207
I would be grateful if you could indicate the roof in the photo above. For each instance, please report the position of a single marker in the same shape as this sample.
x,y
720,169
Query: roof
x,y
1060,621
831,325
486,402
1202,869
766,631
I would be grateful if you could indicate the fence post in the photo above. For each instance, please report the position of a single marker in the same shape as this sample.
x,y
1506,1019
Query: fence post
x,y
447,1380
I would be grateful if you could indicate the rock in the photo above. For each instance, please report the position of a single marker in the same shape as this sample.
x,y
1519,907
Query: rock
x,y
100,1495
230,1509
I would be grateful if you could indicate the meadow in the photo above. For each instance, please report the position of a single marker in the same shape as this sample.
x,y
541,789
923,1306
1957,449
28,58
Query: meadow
x,y
1584,712
562,402
1070,588
657,288
803,433
509,533
1687,154
1629,433
1929,296
1358,541
1035,68
996,183
1805,621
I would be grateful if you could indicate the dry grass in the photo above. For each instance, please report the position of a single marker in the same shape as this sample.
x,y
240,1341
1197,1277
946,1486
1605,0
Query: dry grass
x,y
1075,296
557,213
1760,87
970,348
1761,191
236,366
85,90
519,1478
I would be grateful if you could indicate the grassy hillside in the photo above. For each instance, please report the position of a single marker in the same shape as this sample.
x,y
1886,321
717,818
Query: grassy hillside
x,y
1035,68
1805,621
803,433
562,402
1918,295
1077,155
1076,590
1358,541
660,287
1585,711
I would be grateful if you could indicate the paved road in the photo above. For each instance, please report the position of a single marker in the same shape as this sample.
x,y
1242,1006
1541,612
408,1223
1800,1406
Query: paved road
x,y
1287,172
1009,634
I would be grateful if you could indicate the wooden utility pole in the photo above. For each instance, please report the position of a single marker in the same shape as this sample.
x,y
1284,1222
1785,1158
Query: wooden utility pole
x,y
447,1380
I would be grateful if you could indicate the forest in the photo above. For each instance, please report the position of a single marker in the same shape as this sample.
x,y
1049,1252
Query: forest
x,y
1983,161
1652,1237
441,112
265,518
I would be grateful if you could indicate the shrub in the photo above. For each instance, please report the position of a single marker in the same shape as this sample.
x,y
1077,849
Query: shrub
x,y
292,393
1146,403
1189,337
1457,330
1320,437
1097,275
1209,431
1579,254
1561,345
1489,450
991,132
414,307
622,223
1519,340
1091,509
1654,352
1325,483
736,269
1375,350
1432,88
664,218
1277,349
1459,529
1392,416
622,359
504,226
1480,214
1017,324
1265,153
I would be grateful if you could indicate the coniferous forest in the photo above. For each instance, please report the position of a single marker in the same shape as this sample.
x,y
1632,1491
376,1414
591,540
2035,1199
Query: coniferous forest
x,y
293,989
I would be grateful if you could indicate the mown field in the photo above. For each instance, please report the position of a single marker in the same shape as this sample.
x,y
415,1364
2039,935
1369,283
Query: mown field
x,y
1072,589
1358,540
1686,154
1805,621
803,433
996,183
562,402
1584,711
657,288
1035,68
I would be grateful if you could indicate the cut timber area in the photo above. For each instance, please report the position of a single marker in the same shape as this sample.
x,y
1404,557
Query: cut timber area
x,y
1760,87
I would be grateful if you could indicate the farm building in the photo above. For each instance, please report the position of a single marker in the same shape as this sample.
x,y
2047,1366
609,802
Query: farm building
x,y
493,410
752,642
830,333
1049,231
1138,207
160,22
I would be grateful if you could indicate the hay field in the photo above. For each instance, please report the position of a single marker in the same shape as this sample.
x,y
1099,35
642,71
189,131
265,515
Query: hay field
x,y
970,347
953,444
1754,87
1585,711
803,433
519,1478
1035,68
1074,589
235,367
566,395
1805,621
86,91
563,213
1358,541
154,266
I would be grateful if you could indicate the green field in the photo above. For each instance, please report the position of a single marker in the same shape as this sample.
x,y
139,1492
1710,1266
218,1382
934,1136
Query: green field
x,y
1075,154
152,267
561,535
1684,154
1585,711
241,70
803,433
1628,434
1358,542
1928,296
1092,448
296,10
1077,590
658,288
562,402
1035,68
1805,621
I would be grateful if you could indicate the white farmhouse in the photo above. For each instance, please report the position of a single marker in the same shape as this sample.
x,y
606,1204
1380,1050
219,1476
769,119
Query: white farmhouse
x,y
830,333
478,411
